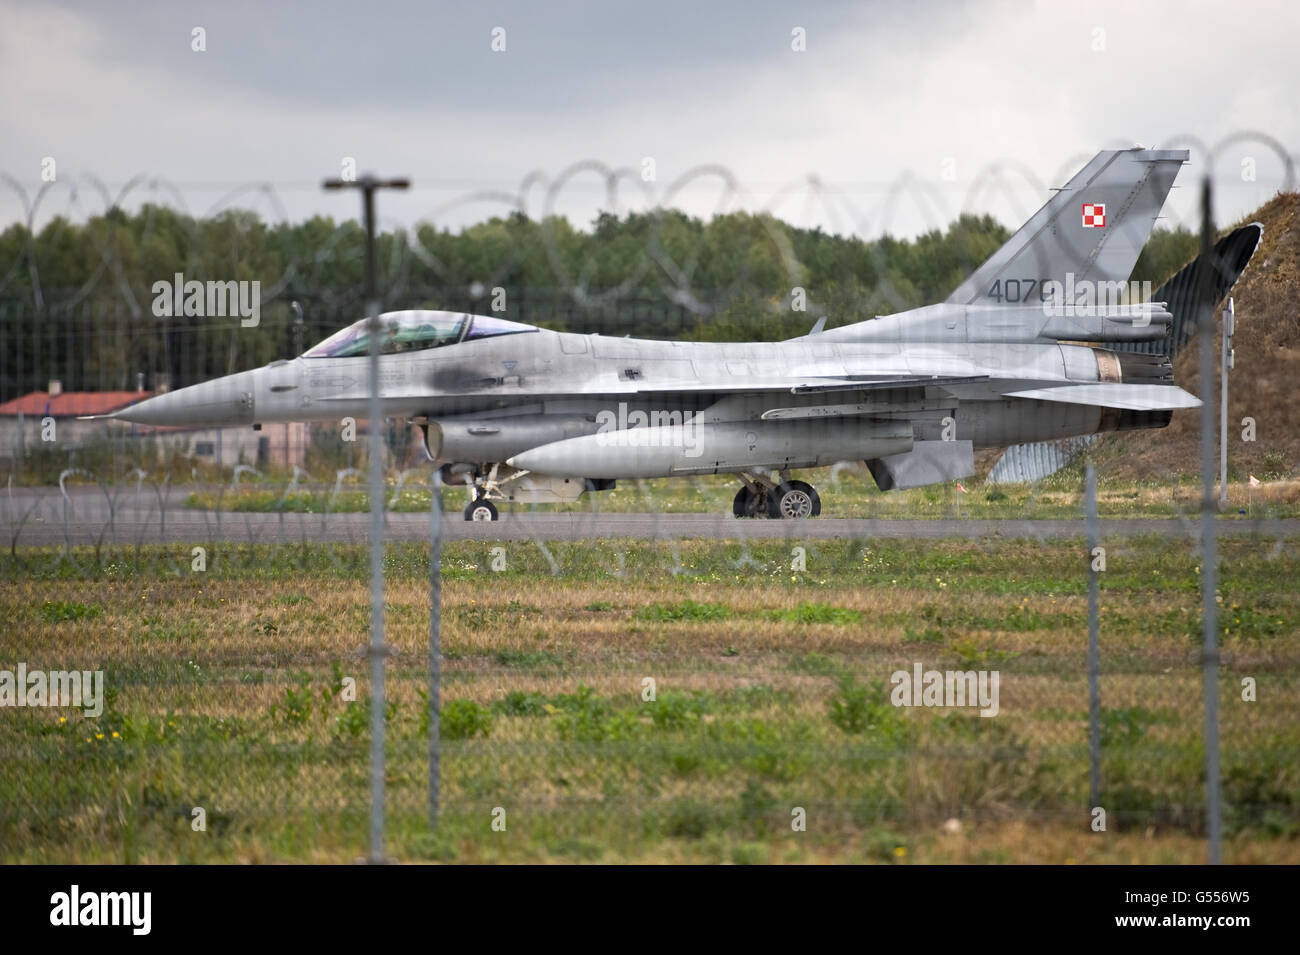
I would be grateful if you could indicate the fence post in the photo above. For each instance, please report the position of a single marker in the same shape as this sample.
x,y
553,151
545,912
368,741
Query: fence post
x,y
378,651
435,645
1094,653
1209,556
1225,365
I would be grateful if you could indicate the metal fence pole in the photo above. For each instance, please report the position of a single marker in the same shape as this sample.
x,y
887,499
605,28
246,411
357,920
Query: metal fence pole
x,y
435,645
1225,364
378,651
1209,557
1094,652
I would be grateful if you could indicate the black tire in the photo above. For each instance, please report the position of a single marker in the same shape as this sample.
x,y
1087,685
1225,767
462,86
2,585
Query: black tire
x,y
475,510
796,500
749,504
740,503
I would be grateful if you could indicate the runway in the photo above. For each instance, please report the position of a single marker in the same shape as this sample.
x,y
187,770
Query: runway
x,y
45,517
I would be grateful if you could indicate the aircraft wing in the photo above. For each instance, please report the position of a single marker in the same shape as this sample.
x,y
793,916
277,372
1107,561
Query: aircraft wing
x,y
808,386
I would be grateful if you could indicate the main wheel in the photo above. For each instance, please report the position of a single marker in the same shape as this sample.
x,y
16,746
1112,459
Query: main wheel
x,y
740,505
796,499
481,510
749,504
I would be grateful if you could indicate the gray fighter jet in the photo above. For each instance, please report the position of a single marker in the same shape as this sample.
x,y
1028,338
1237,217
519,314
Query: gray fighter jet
x,y
1016,355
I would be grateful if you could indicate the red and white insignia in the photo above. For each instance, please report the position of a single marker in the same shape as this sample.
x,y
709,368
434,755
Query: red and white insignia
x,y
1094,215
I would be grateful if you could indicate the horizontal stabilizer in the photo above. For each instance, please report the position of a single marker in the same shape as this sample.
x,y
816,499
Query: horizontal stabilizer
x,y
1115,395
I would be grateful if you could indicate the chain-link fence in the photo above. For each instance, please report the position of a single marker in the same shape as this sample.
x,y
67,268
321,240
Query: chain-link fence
x,y
635,674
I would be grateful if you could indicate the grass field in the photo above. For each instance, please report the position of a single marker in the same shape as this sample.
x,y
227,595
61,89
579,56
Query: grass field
x,y
227,692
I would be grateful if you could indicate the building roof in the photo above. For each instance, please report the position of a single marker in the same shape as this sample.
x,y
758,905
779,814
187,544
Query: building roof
x,y
70,404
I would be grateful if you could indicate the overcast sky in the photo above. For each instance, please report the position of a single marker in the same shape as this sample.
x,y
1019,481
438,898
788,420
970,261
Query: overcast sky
x,y
941,92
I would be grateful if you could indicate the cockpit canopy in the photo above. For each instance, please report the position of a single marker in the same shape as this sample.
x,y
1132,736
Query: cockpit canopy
x,y
414,330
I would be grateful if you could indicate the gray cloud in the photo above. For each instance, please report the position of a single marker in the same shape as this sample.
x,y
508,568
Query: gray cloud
x,y
283,93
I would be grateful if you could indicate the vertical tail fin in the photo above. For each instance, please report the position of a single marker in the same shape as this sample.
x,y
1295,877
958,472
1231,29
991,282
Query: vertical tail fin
x,y
1091,230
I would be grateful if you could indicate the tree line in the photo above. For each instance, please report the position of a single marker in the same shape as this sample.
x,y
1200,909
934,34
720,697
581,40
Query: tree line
x,y
76,298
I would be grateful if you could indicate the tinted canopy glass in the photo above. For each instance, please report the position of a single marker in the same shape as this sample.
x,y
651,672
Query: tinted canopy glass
x,y
414,331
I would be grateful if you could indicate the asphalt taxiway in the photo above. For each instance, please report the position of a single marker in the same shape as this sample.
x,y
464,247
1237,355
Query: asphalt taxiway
x,y
45,517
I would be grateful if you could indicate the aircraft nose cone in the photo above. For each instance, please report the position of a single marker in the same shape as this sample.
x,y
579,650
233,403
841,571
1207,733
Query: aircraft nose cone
x,y
225,401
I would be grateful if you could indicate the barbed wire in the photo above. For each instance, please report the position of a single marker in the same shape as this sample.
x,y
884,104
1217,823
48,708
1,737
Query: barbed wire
x,y
935,202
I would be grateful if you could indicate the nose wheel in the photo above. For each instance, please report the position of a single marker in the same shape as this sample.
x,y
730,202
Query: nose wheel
x,y
480,509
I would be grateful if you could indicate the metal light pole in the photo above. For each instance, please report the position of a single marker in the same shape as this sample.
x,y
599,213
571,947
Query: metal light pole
x,y
296,307
378,651
1225,365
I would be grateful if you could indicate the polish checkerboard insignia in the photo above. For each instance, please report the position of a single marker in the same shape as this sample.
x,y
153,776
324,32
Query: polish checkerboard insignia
x,y
1094,215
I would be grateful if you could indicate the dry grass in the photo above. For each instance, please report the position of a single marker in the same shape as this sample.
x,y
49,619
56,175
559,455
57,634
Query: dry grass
x,y
746,659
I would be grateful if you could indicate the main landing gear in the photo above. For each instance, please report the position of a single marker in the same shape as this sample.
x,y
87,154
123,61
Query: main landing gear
x,y
760,497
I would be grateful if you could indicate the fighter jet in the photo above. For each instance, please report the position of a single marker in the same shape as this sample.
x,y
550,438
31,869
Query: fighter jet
x,y
1016,355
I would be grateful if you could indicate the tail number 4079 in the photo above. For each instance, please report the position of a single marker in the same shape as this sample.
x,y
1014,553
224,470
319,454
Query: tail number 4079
x,y
1019,290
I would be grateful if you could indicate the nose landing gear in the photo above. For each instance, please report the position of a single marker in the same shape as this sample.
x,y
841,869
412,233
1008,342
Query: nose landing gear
x,y
480,509
483,485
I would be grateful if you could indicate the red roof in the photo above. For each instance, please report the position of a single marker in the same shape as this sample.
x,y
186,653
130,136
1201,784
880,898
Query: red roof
x,y
70,404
